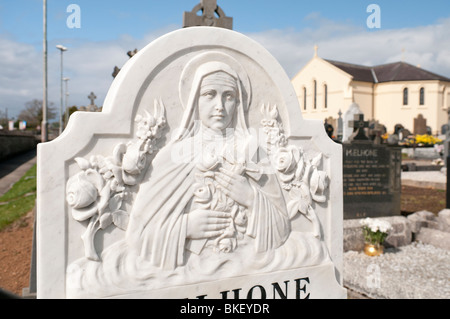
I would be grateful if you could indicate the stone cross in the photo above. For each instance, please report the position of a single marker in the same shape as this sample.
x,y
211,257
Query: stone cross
x,y
92,97
340,126
212,16
358,126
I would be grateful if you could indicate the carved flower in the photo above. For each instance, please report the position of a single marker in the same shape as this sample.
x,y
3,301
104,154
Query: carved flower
x,y
318,184
209,161
134,159
144,125
202,193
285,161
226,245
81,191
301,200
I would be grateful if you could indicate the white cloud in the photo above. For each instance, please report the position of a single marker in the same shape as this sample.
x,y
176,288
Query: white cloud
x,y
424,45
89,65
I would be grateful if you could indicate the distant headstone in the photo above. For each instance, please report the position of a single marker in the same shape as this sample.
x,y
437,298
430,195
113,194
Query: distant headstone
x,y
340,126
359,128
371,179
91,107
349,117
92,98
447,146
376,130
211,16
165,195
420,125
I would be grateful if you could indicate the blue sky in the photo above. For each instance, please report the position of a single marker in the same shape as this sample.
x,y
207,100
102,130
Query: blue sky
x,y
289,29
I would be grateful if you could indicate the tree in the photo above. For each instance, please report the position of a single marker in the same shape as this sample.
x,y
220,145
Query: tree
x,y
72,110
32,113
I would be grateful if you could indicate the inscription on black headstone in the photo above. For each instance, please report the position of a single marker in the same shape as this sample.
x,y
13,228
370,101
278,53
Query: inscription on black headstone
x,y
371,180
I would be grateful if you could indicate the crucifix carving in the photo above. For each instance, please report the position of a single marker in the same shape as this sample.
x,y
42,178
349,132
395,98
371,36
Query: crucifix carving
x,y
92,97
212,16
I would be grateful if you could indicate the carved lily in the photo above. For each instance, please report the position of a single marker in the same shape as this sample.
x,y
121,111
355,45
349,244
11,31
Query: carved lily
x,y
318,185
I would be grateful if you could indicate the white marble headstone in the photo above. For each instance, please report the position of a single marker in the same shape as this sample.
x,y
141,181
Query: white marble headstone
x,y
349,117
199,179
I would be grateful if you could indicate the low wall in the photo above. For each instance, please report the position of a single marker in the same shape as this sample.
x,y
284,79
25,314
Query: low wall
x,y
11,145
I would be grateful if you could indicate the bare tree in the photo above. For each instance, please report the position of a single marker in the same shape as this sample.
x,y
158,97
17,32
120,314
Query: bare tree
x,y
32,113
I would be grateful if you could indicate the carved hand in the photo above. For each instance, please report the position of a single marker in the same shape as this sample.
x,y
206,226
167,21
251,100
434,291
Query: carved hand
x,y
204,223
236,186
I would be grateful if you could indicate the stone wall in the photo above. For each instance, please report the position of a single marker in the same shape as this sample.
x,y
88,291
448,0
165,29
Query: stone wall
x,y
11,145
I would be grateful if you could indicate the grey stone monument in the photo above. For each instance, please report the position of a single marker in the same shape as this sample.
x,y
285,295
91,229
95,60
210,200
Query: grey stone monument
x,y
340,125
420,125
212,16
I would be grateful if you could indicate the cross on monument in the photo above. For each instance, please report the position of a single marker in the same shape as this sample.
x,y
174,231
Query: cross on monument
x,y
92,97
358,126
212,16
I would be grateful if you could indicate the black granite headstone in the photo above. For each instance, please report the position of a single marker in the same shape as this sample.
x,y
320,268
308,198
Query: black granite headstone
x,y
371,178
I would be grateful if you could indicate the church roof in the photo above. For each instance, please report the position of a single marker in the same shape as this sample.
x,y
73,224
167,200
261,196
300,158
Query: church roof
x,y
398,71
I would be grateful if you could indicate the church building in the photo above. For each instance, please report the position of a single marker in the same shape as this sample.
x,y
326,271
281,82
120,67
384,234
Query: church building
x,y
393,93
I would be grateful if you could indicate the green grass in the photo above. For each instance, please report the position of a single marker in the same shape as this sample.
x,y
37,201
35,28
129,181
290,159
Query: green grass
x,y
19,200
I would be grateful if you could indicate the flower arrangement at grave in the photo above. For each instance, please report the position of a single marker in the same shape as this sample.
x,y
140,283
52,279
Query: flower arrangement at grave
x,y
424,140
299,175
98,192
375,232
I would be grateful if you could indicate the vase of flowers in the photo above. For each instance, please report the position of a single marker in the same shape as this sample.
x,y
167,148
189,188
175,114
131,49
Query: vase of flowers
x,y
375,233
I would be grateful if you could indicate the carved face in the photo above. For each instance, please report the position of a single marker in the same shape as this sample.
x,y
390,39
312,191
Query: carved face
x,y
217,101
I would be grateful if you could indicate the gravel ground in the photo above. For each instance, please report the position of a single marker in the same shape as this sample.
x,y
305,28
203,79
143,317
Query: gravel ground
x,y
416,271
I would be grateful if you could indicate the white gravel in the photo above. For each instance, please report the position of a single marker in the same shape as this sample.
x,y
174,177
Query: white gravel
x,y
416,271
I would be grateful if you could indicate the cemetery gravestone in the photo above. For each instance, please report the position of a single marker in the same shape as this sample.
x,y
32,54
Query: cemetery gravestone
x,y
348,129
339,126
371,176
420,125
199,179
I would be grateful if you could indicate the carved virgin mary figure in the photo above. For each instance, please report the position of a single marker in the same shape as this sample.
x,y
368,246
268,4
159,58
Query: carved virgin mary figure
x,y
207,204
205,192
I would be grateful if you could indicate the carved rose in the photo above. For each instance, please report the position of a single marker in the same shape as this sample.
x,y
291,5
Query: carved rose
x,y
209,162
285,161
202,194
81,191
318,185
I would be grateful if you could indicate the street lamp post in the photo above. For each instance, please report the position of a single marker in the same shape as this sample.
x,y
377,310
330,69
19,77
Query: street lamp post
x,y
44,125
62,49
67,98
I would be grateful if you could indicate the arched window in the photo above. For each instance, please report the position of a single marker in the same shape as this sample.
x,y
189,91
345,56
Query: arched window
x,y
325,91
304,98
422,96
405,96
315,94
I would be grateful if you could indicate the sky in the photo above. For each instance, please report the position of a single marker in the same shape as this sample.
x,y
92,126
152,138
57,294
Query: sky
x,y
416,32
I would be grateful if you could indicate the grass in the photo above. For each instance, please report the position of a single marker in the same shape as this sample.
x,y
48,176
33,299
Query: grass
x,y
19,200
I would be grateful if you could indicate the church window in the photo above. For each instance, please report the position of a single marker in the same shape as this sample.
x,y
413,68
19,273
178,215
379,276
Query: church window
x,y
422,96
405,96
315,94
325,90
304,98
